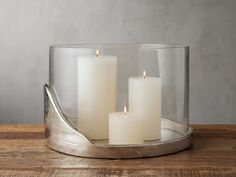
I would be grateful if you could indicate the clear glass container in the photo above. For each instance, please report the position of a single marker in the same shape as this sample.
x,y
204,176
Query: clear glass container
x,y
77,87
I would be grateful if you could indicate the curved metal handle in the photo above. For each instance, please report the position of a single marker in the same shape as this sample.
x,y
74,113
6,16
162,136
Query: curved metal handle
x,y
60,114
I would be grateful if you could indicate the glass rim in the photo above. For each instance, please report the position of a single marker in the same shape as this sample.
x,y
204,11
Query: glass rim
x,y
120,45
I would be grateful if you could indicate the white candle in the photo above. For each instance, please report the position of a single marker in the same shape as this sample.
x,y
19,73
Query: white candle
x,y
145,101
124,128
97,79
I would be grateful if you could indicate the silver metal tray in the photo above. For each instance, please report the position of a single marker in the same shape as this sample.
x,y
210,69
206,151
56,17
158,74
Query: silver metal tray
x,y
62,136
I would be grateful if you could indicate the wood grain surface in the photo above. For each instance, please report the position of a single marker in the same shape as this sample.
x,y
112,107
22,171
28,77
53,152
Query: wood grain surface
x,y
26,131
213,154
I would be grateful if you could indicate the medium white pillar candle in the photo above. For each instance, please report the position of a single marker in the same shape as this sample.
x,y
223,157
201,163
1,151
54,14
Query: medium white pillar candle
x,y
145,101
97,79
124,128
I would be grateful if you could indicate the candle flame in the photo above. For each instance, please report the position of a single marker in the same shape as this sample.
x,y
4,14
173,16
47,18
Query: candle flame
x,y
97,53
144,74
125,111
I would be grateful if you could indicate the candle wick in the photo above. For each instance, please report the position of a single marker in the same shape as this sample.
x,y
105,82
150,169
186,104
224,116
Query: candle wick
x,y
144,74
97,53
125,111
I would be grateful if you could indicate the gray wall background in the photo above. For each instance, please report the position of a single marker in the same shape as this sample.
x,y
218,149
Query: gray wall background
x,y
28,27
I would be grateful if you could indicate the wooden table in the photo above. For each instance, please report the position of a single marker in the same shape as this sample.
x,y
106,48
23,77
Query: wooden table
x,y
23,153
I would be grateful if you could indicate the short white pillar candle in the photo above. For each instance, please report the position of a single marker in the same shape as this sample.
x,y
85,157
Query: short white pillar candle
x,y
145,101
124,128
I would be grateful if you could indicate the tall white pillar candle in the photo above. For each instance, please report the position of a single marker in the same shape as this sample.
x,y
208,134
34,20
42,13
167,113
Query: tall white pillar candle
x,y
145,101
97,79
124,128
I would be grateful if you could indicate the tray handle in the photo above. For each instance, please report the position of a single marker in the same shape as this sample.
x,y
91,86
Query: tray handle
x,y
48,96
